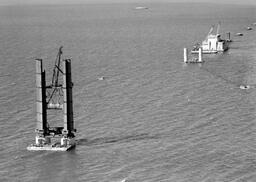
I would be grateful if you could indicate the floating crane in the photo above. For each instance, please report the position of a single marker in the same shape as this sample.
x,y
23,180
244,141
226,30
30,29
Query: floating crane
x,y
212,43
57,96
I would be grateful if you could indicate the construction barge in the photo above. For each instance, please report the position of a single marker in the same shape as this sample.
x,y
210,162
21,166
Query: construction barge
x,y
55,96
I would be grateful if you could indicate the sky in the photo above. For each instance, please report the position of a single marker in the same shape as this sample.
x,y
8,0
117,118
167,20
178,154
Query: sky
x,y
21,2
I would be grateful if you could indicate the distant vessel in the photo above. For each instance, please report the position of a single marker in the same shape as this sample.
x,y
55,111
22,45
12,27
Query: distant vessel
x,y
101,78
249,28
239,34
244,87
212,43
140,7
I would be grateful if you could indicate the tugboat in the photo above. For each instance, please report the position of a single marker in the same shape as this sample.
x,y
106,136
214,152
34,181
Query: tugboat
x,y
212,43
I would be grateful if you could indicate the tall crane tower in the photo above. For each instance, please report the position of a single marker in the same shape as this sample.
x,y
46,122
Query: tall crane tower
x,y
57,96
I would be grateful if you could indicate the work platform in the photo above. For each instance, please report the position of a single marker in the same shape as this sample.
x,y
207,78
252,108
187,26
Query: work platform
x,y
53,146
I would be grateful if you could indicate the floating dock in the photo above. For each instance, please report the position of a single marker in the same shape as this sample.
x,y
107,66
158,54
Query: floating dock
x,y
57,96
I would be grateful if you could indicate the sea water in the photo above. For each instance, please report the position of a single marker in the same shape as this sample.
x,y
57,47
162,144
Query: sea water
x,y
152,118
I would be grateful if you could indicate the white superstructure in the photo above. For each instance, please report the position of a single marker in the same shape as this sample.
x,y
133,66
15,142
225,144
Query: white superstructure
x,y
212,43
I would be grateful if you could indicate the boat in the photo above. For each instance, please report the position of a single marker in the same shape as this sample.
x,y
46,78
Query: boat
x,y
212,43
239,34
244,87
140,8
101,78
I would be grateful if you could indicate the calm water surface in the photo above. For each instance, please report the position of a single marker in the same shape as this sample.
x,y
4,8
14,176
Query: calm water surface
x,y
153,118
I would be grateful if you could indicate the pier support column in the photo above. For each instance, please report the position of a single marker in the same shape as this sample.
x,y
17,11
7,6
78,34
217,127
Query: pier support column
x,y
228,36
200,55
41,105
185,55
68,102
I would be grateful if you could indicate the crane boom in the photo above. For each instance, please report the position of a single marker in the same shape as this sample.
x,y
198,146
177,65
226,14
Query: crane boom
x,y
56,69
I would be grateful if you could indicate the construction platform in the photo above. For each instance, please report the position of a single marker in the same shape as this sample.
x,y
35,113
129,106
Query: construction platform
x,y
50,148
54,146
54,96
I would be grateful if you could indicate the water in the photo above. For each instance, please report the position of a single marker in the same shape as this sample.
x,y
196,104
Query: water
x,y
152,118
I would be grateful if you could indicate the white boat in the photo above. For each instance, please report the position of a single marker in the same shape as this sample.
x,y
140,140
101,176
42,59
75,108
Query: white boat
x,y
101,78
212,43
239,34
244,87
140,7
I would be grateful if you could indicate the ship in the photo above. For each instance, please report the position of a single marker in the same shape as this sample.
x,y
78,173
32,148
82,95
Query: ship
x,y
212,43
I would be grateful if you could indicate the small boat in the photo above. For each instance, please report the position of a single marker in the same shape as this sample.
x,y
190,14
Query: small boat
x,y
212,43
140,7
239,34
101,78
244,87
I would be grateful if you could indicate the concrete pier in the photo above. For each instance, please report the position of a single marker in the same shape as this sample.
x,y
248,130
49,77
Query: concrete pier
x,y
68,101
41,106
200,54
185,55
